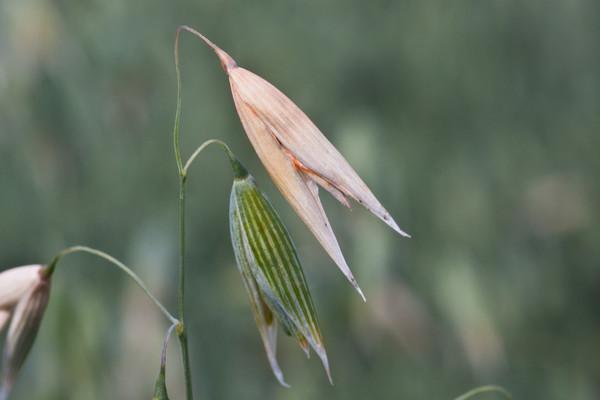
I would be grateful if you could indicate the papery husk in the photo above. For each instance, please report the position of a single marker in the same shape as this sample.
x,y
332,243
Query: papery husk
x,y
23,329
14,283
297,156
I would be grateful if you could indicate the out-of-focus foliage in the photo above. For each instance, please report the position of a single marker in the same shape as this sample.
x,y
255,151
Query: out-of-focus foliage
x,y
476,124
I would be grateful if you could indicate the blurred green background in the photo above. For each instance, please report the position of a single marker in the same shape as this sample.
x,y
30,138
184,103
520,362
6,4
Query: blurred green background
x,y
476,123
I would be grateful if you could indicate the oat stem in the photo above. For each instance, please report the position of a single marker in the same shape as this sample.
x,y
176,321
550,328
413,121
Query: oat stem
x,y
182,169
76,249
181,329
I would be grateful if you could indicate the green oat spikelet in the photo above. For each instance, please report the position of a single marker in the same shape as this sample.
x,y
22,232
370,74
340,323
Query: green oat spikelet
x,y
271,271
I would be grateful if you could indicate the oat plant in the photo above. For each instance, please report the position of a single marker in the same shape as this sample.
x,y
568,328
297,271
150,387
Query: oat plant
x,y
299,159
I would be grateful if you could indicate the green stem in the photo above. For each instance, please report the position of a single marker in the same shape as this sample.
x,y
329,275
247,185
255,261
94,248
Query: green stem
x,y
181,328
485,389
185,356
182,180
238,169
75,249
176,124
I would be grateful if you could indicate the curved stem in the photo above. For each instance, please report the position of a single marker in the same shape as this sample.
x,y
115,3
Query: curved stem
x,y
485,389
176,125
202,147
198,34
238,168
75,249
181,331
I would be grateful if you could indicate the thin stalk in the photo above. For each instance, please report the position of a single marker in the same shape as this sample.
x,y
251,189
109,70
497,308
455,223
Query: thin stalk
x,y
75,249
176,125
200,36
181,329
485,389
235,164
182,169
185,356
182,181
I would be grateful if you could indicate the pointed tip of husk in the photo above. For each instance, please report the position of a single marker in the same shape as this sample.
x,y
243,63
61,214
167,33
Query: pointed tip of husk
x,y
323,356
281,380
338,258
354,283
330,379
360,292
392,224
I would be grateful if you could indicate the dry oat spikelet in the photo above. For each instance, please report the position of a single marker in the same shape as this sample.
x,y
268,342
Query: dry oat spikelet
x,y
297,156
24,293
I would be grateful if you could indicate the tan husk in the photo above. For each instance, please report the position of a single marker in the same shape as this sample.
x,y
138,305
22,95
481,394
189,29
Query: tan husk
x,y
297,156
14,283
27,316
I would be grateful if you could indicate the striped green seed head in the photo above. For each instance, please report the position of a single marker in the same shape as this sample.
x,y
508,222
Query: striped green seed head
x,y
271,273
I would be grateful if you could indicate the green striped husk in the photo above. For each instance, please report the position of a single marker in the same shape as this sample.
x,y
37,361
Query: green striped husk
x,y
272,274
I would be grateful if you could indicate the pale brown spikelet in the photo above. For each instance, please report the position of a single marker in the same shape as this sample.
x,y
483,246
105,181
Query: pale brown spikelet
x,y
297,156
31,289
308,149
